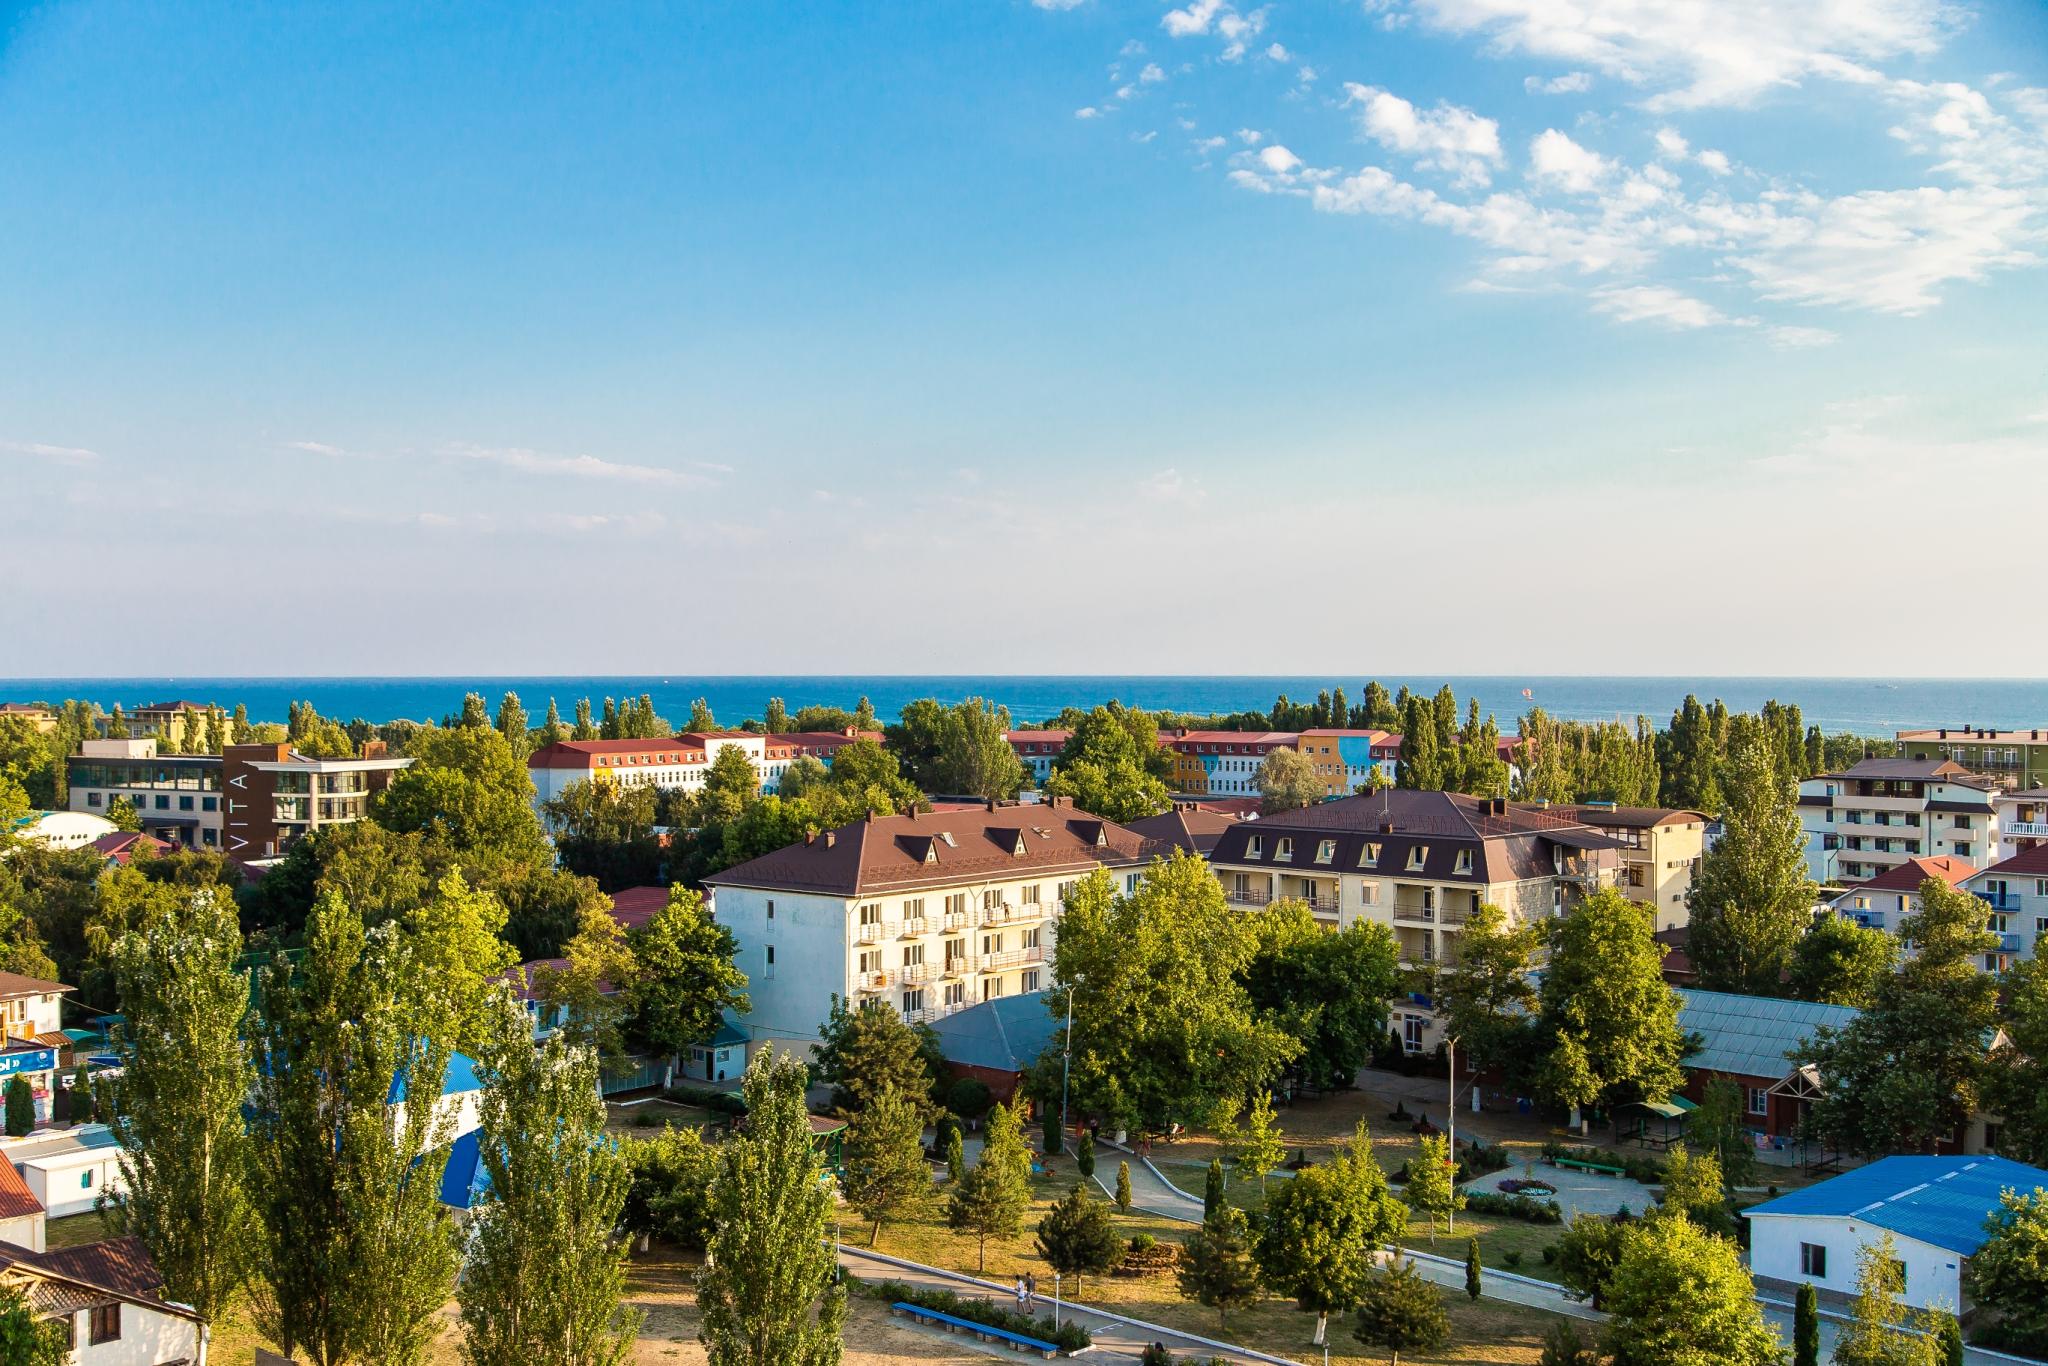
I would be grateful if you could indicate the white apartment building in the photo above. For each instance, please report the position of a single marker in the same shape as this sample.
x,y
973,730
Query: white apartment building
x,y
2016,890
677,763
2022,820
1877,814
1419,863
176,796
931,912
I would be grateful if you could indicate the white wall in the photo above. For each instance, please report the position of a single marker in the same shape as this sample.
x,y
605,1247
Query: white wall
x,y
147,1337
27,1231
1933,1274
70,1183
813,960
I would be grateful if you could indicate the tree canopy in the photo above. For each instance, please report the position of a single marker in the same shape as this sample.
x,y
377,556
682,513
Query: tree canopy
x,y
1112,765
1751,899
1607,1025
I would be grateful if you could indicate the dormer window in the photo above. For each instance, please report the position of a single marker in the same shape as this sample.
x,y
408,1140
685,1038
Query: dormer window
x,y
1255,847
1369,857
1284,851
1464,864
1417,855
1326,851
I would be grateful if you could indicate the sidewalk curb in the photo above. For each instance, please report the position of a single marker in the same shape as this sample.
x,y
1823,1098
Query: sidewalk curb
x,y
978,1283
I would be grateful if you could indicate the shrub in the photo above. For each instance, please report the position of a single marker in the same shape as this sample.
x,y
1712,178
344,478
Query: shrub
x,y
1515,1207
1513,1259
1155,1354
704,1098
645,1120
1549,1254
1070,1337
1480,1160
1143,1242
968,1098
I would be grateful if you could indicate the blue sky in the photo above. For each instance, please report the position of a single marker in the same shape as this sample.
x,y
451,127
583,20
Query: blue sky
x,y
1403,335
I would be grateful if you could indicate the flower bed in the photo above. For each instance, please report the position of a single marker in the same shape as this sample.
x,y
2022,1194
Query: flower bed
x,y
1520,1185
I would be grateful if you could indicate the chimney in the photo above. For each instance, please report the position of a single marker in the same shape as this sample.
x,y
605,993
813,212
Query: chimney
x,y
1943,734
991,803
832,836
374,749
1386,827
870,816
810,837
910,810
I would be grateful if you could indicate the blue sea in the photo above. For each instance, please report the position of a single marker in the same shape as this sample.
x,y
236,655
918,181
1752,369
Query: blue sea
x,y
1861,705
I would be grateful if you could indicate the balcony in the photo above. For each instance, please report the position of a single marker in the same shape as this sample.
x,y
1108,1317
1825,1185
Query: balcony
x,y
2000,901
958,920
932,1013
1013,958
2036,830
1249,897
913,927
1009,913
869,934
920,973
2009,943
957,964
872,981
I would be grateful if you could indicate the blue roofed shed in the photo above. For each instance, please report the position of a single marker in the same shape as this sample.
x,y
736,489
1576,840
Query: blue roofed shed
x,y
998,1041
1749,1041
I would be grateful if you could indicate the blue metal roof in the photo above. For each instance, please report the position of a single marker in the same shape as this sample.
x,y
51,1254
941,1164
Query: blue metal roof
x,y
1749,1036
465,1178
1939,1200
1005,1035
460,1077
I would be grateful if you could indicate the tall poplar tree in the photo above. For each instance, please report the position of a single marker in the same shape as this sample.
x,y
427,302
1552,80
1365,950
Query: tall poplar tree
x,y
1752,899
184,1145
512,723
545,1268
768,1293
359,1250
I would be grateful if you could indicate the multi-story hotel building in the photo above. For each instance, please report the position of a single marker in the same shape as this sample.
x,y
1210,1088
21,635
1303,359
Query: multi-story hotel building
x,y
271,795
1221,763
1876,814
677,762
2009,758
176,796
930,912
2016,890
1346,759
1036,749
1419,863
1661,849
2022,820
1887,899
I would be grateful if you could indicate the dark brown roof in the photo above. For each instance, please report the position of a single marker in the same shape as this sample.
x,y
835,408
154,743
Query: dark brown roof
x,y
1973,808
1509,843
1187,826
120,845
1912,770
2026,863
941,847
113,1267
14,984
16,1199
1907,876
633,907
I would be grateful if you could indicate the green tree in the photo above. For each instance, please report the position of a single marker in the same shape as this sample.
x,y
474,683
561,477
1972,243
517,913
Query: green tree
x,y
1212,1189
885,1167
668,1192
1487,998
1881,1330
359,1251
1840,962
1256,1146
1473,1287
1587,1255
1910,1069
1693,1188
1084,1157
975,758
1948,1341
1607,1023
701,720
81,1100
1077,1236
455,939
1112,765
990,1200
954,1150
1806,1326
866,769
544,1274
1751,899
1323,1230
467,788
2009,1273
552,731
686,980
1562,1346
1401,1312
604,829
1216,1269
866,1049
512,723
1433,1182
184,1144
1123,1187
122,815
1681,1297
769,1292
21,1107
1326,988
1287,781
1164,1028
1721,1126
2016,1082
26,1340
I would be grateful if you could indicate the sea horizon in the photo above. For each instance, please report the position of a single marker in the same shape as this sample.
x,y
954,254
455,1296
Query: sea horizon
x,y
1861,705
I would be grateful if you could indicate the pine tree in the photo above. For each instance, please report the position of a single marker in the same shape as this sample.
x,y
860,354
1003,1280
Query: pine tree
x,y
1562,1346
1217,1269
1212,1189
866,1049
1084,1157
990,1201
358,1249
1077,1236
184,1143
885,1167
1402,1312
545,1269
1472,1282
1123,1187
1806,1327
1948,1341
955,1152
1049,1135
768,1293
21,1106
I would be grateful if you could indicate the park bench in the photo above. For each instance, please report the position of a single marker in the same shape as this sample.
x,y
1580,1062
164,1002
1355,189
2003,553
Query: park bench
x,y
1598,1168
952,1323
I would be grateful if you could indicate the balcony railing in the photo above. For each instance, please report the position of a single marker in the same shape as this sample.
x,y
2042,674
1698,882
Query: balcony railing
x,y
1012,958
2009,943
1424,914
1248,898
873,981
913,927
2026,830
920,972
959,920
869,934
2000,901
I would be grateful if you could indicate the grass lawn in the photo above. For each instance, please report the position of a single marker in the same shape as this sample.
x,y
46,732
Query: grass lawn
x,y
1490,1332
650,1115
73,1229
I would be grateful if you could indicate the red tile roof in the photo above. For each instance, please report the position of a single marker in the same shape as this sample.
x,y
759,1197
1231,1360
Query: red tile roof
x,y
1908,876
633,907
16,1199
121,1266
2026,863
121,845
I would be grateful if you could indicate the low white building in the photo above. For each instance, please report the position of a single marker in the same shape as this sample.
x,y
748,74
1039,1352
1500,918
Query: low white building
x,y
63,829
110,1296
1934,1208
2022,820
67,1172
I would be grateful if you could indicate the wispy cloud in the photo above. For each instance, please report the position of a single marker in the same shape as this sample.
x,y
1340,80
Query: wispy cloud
x,y
314,447
1571,83
579,466
63,455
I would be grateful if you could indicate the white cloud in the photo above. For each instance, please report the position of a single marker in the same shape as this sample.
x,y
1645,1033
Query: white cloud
x,y
1658,304
1207,145
1250,137
1555,159
63,455
1278,53
1124,92
1058,4
1714,161
1278,160
1151,75
1799,338
578,466
1087,112
1671,143
1145,136
1446,138
1196,18
1220,17
1692,54
313,447
1133,48
1307,75
1571,83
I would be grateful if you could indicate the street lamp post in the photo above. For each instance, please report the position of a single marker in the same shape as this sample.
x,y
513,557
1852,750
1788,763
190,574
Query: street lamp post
x,y
1451,1122
1067,1062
